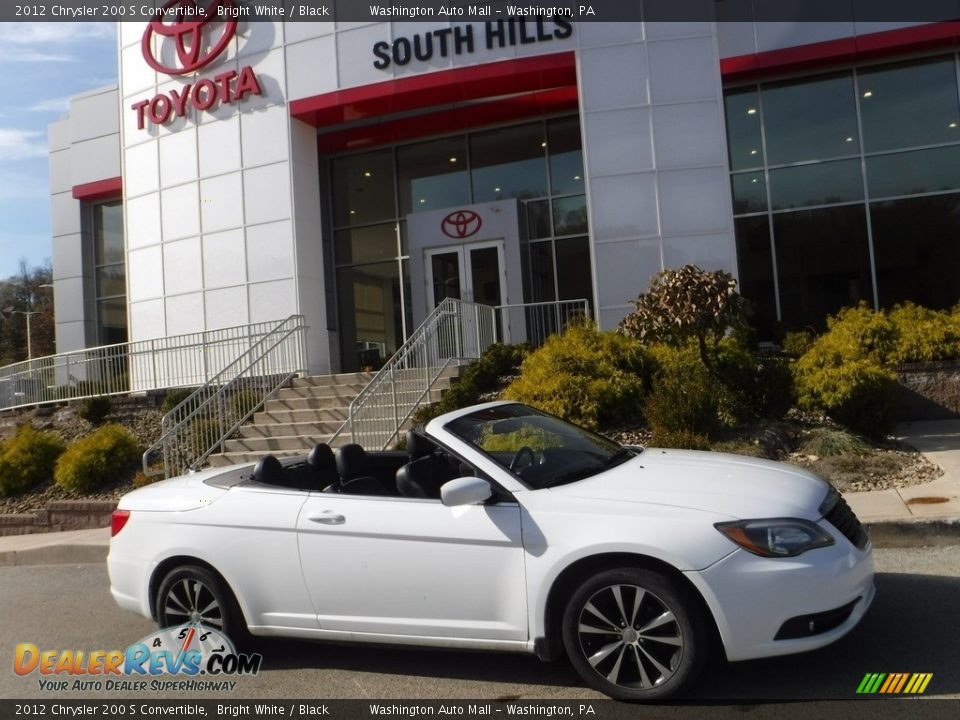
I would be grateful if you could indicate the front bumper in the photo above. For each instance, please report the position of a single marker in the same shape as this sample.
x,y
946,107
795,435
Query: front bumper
x,y
751,597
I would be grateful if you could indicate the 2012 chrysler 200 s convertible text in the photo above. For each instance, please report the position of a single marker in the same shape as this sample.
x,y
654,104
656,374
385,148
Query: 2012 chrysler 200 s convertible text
x,y
503,528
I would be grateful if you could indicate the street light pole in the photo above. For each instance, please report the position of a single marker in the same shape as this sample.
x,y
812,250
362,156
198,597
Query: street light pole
x,y
28,313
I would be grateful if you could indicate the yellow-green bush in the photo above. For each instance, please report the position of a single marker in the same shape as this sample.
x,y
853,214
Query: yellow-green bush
x,y
684,407
589,377
27,459
925,335
107,455
795,344
857,393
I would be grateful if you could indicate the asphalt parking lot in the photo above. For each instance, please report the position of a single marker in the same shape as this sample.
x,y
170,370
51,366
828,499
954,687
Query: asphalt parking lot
x,y
912,627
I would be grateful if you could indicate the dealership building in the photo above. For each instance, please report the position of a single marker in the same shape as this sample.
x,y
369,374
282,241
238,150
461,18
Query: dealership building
x,y
358,173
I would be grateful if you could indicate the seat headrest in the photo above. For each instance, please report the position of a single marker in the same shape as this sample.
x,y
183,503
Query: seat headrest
x,y
418,446
352,462
321,457
268,470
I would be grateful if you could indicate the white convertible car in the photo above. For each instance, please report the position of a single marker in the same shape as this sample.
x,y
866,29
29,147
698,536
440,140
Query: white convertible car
x,y
503,528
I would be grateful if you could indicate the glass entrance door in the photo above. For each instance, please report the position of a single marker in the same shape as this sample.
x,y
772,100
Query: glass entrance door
x,y
473,273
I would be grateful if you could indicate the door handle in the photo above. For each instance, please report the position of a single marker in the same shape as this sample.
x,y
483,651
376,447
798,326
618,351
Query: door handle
x,y
327,517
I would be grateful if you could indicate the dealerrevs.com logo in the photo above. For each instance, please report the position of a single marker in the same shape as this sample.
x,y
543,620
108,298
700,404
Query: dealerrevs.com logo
x,y
185,38
169,660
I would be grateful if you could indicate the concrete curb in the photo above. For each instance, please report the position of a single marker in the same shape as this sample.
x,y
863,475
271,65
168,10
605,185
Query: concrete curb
x,y
914,532
55,555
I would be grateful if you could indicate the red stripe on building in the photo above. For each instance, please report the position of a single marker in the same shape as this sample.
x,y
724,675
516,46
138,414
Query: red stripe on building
x,y
523,87
843,51
99,190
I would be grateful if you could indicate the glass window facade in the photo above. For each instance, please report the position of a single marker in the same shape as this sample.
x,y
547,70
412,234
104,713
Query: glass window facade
x,y
846,187
539,163
110,272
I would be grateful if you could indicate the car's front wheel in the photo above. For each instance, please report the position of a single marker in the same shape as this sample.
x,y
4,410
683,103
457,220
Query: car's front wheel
x,y
634,634
194,594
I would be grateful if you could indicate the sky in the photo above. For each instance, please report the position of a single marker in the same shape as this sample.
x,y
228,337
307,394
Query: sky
x,y
41,66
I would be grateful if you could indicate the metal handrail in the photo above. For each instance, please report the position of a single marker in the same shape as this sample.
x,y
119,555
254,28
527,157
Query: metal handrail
x,y
200,424
140,366
455,331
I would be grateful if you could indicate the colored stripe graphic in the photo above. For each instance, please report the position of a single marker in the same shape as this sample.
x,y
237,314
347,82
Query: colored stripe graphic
x,y
894,683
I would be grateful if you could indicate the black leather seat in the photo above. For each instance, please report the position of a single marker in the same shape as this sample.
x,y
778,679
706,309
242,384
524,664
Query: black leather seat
x,y
324,465
353,466
418,446
423,477
269,470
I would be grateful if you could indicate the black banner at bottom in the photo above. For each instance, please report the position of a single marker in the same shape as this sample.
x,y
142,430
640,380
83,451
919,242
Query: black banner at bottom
x,y
929,709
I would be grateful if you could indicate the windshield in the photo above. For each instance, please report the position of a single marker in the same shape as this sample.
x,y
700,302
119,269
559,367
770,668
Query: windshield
x,y
541,450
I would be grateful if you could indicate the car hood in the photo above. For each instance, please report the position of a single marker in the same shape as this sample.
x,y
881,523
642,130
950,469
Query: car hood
x,y
187,492
733,485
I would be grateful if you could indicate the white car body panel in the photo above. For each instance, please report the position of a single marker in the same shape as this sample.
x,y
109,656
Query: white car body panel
x,y
410,571
443,572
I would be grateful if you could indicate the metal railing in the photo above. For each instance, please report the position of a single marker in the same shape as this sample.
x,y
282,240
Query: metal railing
x,y
176,361
199,425
455,331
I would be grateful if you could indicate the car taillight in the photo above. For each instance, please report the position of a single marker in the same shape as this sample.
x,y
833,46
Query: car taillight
x,y
118,520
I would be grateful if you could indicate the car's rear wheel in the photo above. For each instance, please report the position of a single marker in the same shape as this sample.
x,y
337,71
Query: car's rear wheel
x,y
635,634
194,594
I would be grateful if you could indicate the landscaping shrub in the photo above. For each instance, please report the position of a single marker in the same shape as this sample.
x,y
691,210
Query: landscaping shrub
x,y
586,376
855,393
481,376
105,456
828,442
924,335
683,408
27,459
795,344
688,304
95,409
174,398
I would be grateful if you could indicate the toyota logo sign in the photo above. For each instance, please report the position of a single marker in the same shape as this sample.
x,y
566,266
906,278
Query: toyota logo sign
x,y
461,224
188,34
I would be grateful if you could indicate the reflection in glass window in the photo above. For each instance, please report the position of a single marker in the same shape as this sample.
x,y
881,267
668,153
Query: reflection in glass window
x,y
810,119
573,256
749,193
538,219
111,274
509,163
915,172
433,175
817,184
374,242
755,264
541,272
917,247
370,311
363,188
823,262
909,105
744,140
566,156
570,215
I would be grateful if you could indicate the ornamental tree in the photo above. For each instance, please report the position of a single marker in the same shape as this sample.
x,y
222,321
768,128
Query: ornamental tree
x,y
686,304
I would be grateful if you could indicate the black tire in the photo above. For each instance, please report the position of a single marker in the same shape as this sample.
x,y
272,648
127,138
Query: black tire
x,y
192,593
635,634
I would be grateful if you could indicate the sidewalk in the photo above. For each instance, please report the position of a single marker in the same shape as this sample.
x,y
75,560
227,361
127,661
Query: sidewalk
x,y
922,514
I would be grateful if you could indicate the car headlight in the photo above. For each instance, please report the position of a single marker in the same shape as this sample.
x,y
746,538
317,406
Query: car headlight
x,y
776,537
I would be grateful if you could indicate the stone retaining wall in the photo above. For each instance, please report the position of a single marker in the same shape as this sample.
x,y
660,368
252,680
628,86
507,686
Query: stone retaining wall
x,y
60,515
928,391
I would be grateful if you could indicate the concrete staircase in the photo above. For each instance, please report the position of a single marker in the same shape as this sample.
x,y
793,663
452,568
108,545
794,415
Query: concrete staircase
x,y
308,412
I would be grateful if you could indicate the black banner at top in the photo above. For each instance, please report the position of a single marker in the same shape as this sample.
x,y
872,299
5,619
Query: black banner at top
x,y
839,11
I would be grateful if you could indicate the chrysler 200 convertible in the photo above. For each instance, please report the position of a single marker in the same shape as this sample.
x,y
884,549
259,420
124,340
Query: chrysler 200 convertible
x,y
503,528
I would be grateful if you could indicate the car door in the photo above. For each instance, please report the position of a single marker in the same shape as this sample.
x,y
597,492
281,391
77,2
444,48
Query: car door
x,y
414,567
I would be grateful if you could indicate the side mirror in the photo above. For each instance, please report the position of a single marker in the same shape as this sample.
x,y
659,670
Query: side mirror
x,y
465,491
